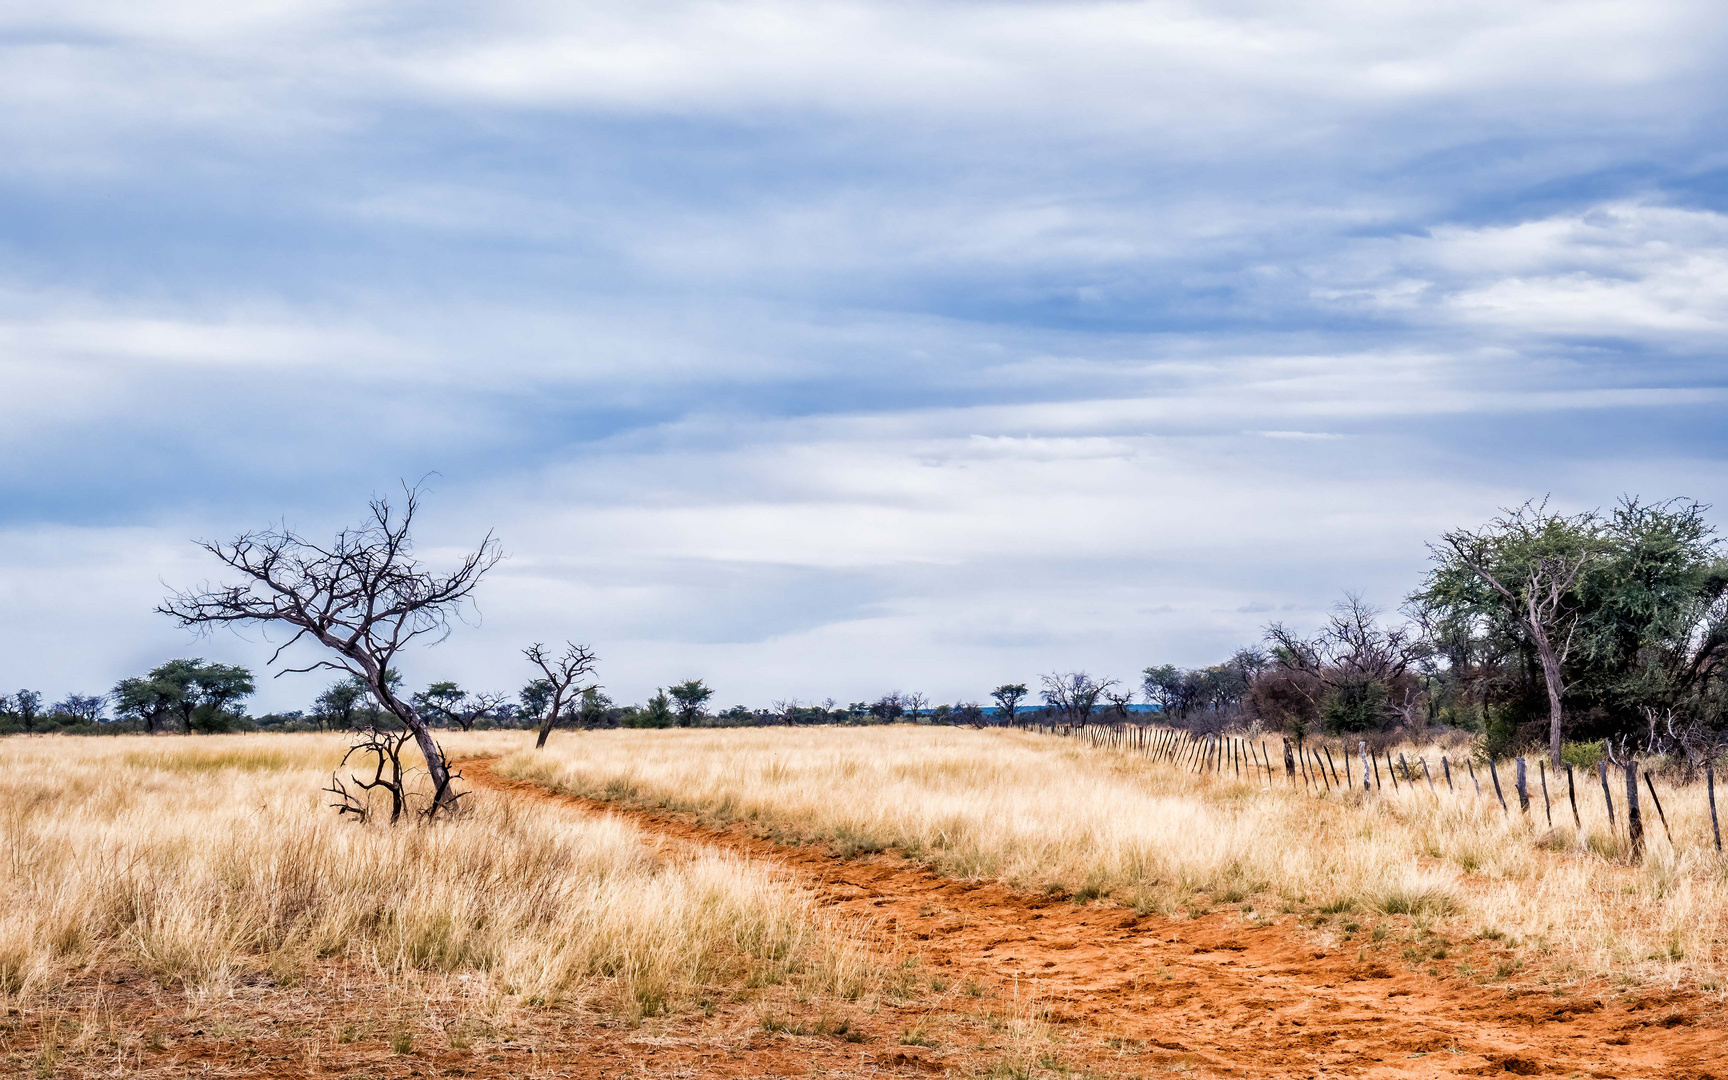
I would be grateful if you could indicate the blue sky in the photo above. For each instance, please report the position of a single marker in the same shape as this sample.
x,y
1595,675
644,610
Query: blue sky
x,y
822,349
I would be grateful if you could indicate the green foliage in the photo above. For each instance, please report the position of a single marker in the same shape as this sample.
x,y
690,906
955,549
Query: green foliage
x,y
1354,704
1499,738
195,694
1583,755
1642,629
656,714
690,695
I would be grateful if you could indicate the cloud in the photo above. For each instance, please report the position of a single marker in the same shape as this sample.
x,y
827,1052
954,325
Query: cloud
x,y
819,348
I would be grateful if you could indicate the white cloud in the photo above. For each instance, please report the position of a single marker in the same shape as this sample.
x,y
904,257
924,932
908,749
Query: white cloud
x,y
1620,268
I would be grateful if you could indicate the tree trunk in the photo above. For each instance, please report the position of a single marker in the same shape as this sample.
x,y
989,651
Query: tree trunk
x,y
435,766
551,720
1551,676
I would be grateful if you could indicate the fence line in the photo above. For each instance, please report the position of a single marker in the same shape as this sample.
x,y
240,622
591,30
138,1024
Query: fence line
x,y
1318,775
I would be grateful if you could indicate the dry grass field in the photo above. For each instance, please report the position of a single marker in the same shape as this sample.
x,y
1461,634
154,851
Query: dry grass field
x,y
208,867
825,902
1043,813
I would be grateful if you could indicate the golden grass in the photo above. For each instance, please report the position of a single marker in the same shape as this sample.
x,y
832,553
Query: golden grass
x,y
1042,812
212,858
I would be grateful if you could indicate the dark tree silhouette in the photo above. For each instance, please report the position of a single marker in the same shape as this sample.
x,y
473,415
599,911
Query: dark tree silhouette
x,y
365,597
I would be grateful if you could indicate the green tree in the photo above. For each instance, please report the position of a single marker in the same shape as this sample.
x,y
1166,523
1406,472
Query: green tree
x,y
1522,574
690,695
336,707
1008,697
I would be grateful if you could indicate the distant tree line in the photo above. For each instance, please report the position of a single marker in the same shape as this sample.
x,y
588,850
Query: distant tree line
x,y
1536,629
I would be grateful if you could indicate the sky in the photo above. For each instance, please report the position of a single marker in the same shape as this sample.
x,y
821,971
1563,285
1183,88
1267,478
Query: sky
x,y
823,349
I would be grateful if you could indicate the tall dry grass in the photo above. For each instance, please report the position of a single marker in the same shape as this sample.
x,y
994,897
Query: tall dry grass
x,y
203,859
1043,812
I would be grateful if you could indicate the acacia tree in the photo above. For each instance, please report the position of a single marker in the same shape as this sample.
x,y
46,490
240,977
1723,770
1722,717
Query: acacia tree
x,y
455,706
365,597
690,695
1529,561
336,706
1008,696
561,672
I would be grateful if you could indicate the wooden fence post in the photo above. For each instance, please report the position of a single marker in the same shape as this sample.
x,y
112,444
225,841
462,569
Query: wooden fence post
x,y
1330,764
1362,748
1634,819
1547,807
1572,797
1376,761
1522,780
1471,765
1446,765
1710,787
1428,776
1498,794
1390,771
1602,774
1289,763
1657,799
1408,779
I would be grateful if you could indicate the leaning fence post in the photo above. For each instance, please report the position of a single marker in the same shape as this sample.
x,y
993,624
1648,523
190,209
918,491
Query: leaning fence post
x,y
1330,764
1471,765
1377,782
1522,782
1428,776
1710,787
1408,779
1634,820
1602,774
1498,794
1446,767
1657,799
1572,797
1547,807
1390,771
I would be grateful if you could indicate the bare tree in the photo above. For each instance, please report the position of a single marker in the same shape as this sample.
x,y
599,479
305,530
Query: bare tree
x,y
365,597
1354,648
1532,559
561,672
917,703
1074,694
1119,701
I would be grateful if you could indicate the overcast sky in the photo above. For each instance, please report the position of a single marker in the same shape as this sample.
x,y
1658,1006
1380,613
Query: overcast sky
x,y
828,348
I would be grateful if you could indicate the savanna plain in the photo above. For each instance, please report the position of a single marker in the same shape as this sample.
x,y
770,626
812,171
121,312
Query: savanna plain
x,y
833,901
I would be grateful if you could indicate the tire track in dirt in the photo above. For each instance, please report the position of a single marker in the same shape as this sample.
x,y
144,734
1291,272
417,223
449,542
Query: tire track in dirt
x,y
1216,992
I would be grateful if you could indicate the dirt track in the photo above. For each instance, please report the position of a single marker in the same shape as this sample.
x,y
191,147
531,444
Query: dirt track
x,y
1217,994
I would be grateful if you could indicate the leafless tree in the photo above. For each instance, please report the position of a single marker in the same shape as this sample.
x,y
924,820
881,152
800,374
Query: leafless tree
x,y
1355,646
562,672
365,597
1119,701
916,703
1074,694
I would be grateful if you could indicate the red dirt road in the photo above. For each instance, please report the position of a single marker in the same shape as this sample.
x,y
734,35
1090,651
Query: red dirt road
x,y
1221,994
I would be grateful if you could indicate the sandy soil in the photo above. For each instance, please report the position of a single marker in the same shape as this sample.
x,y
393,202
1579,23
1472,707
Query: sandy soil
x,y
986,981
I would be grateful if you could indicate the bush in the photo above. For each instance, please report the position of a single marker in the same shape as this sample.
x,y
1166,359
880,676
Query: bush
x,y
1355,705
1583,755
